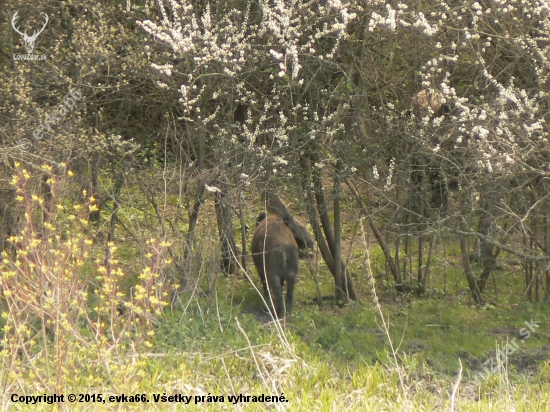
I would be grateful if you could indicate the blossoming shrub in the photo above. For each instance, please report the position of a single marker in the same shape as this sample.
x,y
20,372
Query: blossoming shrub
x,y
64,314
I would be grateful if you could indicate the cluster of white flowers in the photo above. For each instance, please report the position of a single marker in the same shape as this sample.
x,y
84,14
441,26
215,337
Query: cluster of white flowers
x,y
400,16
499,121
504,124
388,185
219,47
163,68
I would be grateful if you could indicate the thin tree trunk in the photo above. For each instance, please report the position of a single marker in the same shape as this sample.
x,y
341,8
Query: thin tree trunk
x,y
417,199
445,267
420,279
398,237
407,257
529,280
341,289
193,212
387,253
488,267
7,219
546,268
322,205
531,277
488,254
317,232
427,272
193,215
119,181
323,242
410,254
380,239
536,264
467,268
226,232
243,238
275,205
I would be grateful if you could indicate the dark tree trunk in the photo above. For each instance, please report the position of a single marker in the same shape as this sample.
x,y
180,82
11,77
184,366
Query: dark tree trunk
x,y
487,253
7,216
546,268
534,237
427,271
275,205
243,238
529,273
418,195
341,284
322,207
440,191
47,196
398,217
193,211
416,190
467,268
380,239
324,237
420,278
193,215
224,217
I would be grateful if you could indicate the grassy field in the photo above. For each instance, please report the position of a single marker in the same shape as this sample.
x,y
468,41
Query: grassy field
x,y
407,353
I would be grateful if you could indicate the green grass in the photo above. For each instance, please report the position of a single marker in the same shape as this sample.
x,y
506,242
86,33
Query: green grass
x,y
341,357
336,357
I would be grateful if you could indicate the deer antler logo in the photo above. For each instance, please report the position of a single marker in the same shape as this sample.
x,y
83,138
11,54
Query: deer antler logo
x,y
29,40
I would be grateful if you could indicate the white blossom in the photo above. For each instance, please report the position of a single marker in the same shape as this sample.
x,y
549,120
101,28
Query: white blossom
x,y
212,189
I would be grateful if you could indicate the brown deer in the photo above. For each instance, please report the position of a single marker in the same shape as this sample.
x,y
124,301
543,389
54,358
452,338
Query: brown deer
x,y
275,255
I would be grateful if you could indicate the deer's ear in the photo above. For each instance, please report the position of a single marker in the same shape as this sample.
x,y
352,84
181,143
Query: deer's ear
x,y
260,217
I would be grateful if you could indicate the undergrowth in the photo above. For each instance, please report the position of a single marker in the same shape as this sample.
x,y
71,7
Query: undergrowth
x,y
70,325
